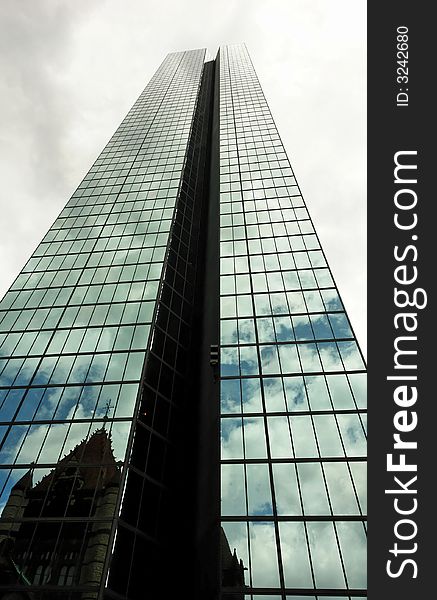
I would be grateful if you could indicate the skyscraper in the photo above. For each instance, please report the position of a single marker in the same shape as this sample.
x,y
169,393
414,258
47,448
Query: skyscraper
x,y
182,396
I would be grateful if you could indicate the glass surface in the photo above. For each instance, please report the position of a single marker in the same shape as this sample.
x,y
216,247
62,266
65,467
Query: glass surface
x,y
297,570
325,555
75,332
264,560
288,357
74,336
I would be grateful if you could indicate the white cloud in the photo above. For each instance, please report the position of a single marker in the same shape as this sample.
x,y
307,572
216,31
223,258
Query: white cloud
x,y
72,70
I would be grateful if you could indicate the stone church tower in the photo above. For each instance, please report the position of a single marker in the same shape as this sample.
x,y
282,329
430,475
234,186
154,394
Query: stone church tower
x,y
43,536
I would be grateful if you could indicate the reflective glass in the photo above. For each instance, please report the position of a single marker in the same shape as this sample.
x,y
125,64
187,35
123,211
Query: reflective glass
x,y
295,367
74,336
85,350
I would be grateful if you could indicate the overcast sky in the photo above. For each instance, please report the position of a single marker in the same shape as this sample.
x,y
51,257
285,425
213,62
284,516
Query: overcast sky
x,y
70,70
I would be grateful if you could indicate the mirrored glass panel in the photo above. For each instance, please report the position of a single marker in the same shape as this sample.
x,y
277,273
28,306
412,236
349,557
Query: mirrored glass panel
x,y
290,365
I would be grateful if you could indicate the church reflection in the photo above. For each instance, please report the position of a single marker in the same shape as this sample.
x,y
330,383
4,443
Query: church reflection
x,y
232,571
55,532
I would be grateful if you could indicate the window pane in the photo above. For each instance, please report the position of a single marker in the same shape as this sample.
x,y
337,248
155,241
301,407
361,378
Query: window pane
x,y
303,437
279,436
263,554
315,501
233,490
340,488
295,557
286,489
259,497
325,556
353,548
231,438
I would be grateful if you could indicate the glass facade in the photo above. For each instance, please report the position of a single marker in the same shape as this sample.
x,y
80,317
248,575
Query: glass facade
x,y
74,335
102,368
292,381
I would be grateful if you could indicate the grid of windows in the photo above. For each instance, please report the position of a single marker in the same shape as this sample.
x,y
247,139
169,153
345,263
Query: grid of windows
x,y
74,327
292,375
163,463
102,351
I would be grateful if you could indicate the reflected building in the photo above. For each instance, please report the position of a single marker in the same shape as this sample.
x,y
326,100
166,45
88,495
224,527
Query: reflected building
x,y
46,535
182,397
232,570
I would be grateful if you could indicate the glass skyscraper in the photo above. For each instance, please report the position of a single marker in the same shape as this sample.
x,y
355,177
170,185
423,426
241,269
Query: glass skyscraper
x,y
182,399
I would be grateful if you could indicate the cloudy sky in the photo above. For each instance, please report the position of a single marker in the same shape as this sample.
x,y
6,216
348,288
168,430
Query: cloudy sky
x,y
71,71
